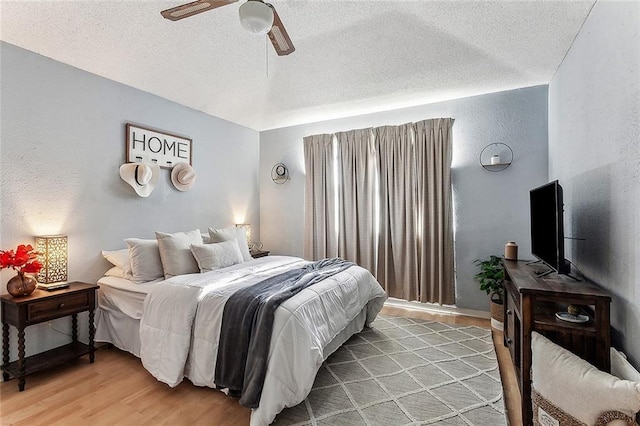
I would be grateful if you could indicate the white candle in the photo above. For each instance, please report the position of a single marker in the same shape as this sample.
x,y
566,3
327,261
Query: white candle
x,y
495,159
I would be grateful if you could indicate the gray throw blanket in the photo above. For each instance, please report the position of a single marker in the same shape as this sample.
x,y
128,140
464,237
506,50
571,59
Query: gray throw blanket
x,y
247,324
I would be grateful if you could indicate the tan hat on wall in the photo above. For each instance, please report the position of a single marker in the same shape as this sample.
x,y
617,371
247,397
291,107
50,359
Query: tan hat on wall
x,y
142,177
183,176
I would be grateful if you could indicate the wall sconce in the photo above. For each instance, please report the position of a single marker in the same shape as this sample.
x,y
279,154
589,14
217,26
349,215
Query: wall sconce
x,y
247,228
53,251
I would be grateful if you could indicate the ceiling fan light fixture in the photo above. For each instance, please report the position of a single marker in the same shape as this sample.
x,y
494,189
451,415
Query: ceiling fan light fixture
x,y
256,17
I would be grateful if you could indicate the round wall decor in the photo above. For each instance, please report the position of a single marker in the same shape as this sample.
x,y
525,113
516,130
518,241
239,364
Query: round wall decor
x,y
496,157
280,173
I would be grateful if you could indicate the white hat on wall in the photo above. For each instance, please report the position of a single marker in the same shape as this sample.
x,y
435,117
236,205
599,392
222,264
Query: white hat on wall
x,y
142,177
183,176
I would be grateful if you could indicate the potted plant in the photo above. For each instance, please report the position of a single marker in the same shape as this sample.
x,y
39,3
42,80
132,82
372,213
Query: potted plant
x,y
23,260
491,278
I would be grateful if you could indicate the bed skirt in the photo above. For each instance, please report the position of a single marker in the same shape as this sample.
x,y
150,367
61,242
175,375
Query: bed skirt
x,y
120,330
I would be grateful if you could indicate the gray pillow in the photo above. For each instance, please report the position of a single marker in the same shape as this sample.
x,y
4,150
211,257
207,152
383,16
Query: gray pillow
x,y
145,259
232,233
217,255
175,252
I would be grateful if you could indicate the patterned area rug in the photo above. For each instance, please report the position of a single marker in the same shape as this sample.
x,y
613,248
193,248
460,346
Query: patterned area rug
x,y
405,371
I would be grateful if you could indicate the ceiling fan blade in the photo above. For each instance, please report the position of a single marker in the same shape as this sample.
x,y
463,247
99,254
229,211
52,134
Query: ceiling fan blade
x,y
278,35
193,8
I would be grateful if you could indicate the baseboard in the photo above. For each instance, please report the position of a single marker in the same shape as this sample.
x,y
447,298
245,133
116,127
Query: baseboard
x,y
435,308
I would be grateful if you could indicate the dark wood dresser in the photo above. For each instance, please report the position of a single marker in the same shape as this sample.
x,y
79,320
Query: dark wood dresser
x,y
531,304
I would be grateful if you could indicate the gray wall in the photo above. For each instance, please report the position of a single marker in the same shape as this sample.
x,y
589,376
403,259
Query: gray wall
x,y
490,208
62,142
594,151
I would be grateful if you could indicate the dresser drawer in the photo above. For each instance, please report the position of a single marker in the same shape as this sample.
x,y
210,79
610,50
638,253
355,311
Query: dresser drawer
x,y
58,307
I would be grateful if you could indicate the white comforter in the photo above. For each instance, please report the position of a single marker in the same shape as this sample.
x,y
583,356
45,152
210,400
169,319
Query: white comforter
x,y
182,316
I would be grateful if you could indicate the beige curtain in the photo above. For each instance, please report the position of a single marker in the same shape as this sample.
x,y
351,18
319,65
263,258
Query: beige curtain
x,y
397,248
433,152
321,230
382,199
357,197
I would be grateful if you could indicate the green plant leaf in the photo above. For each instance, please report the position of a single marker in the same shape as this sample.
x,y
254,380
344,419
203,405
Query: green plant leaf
x,y
491,275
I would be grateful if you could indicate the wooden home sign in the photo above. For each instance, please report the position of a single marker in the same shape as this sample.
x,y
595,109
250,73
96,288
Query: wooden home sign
x,y
156,147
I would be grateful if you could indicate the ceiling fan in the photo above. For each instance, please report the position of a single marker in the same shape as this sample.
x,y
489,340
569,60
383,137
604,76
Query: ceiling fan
x,y
256,16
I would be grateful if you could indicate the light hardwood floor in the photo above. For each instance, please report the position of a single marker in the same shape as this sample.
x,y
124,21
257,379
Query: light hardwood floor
x,y
116,389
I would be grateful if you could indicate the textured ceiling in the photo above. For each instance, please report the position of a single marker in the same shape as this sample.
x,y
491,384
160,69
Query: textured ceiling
x,y
351,57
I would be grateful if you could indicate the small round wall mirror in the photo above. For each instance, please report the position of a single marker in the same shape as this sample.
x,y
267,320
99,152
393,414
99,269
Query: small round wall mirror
x,y
280,173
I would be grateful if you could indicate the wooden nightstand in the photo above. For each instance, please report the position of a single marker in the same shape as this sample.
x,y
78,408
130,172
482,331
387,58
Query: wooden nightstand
x,y
259,253
42,306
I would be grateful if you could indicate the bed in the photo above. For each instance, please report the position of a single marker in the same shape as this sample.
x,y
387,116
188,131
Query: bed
x,y
174,325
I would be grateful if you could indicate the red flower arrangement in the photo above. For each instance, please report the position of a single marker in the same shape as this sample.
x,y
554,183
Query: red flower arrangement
x,y
23,260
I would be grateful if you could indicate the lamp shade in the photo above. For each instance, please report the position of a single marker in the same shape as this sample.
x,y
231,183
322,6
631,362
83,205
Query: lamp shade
x,y
256,17
53,256
247,228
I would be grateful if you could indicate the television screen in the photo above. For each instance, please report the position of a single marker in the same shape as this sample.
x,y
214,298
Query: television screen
x,y
547,233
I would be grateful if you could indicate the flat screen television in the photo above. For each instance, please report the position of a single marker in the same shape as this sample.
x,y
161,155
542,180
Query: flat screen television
x,y
547,226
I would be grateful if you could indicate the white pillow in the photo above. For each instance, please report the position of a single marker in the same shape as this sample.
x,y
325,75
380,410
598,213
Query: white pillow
x,y
175,252
576,387
232,233
116,272
120,259
216,255
622,368
145,259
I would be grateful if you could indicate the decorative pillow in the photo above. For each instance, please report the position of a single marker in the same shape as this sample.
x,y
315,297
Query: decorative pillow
x,y
206,239
120,259
232,233
576,387
216,255
145,259
175,252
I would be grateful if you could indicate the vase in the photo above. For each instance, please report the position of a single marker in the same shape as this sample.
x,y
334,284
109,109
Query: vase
x,y
21,285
